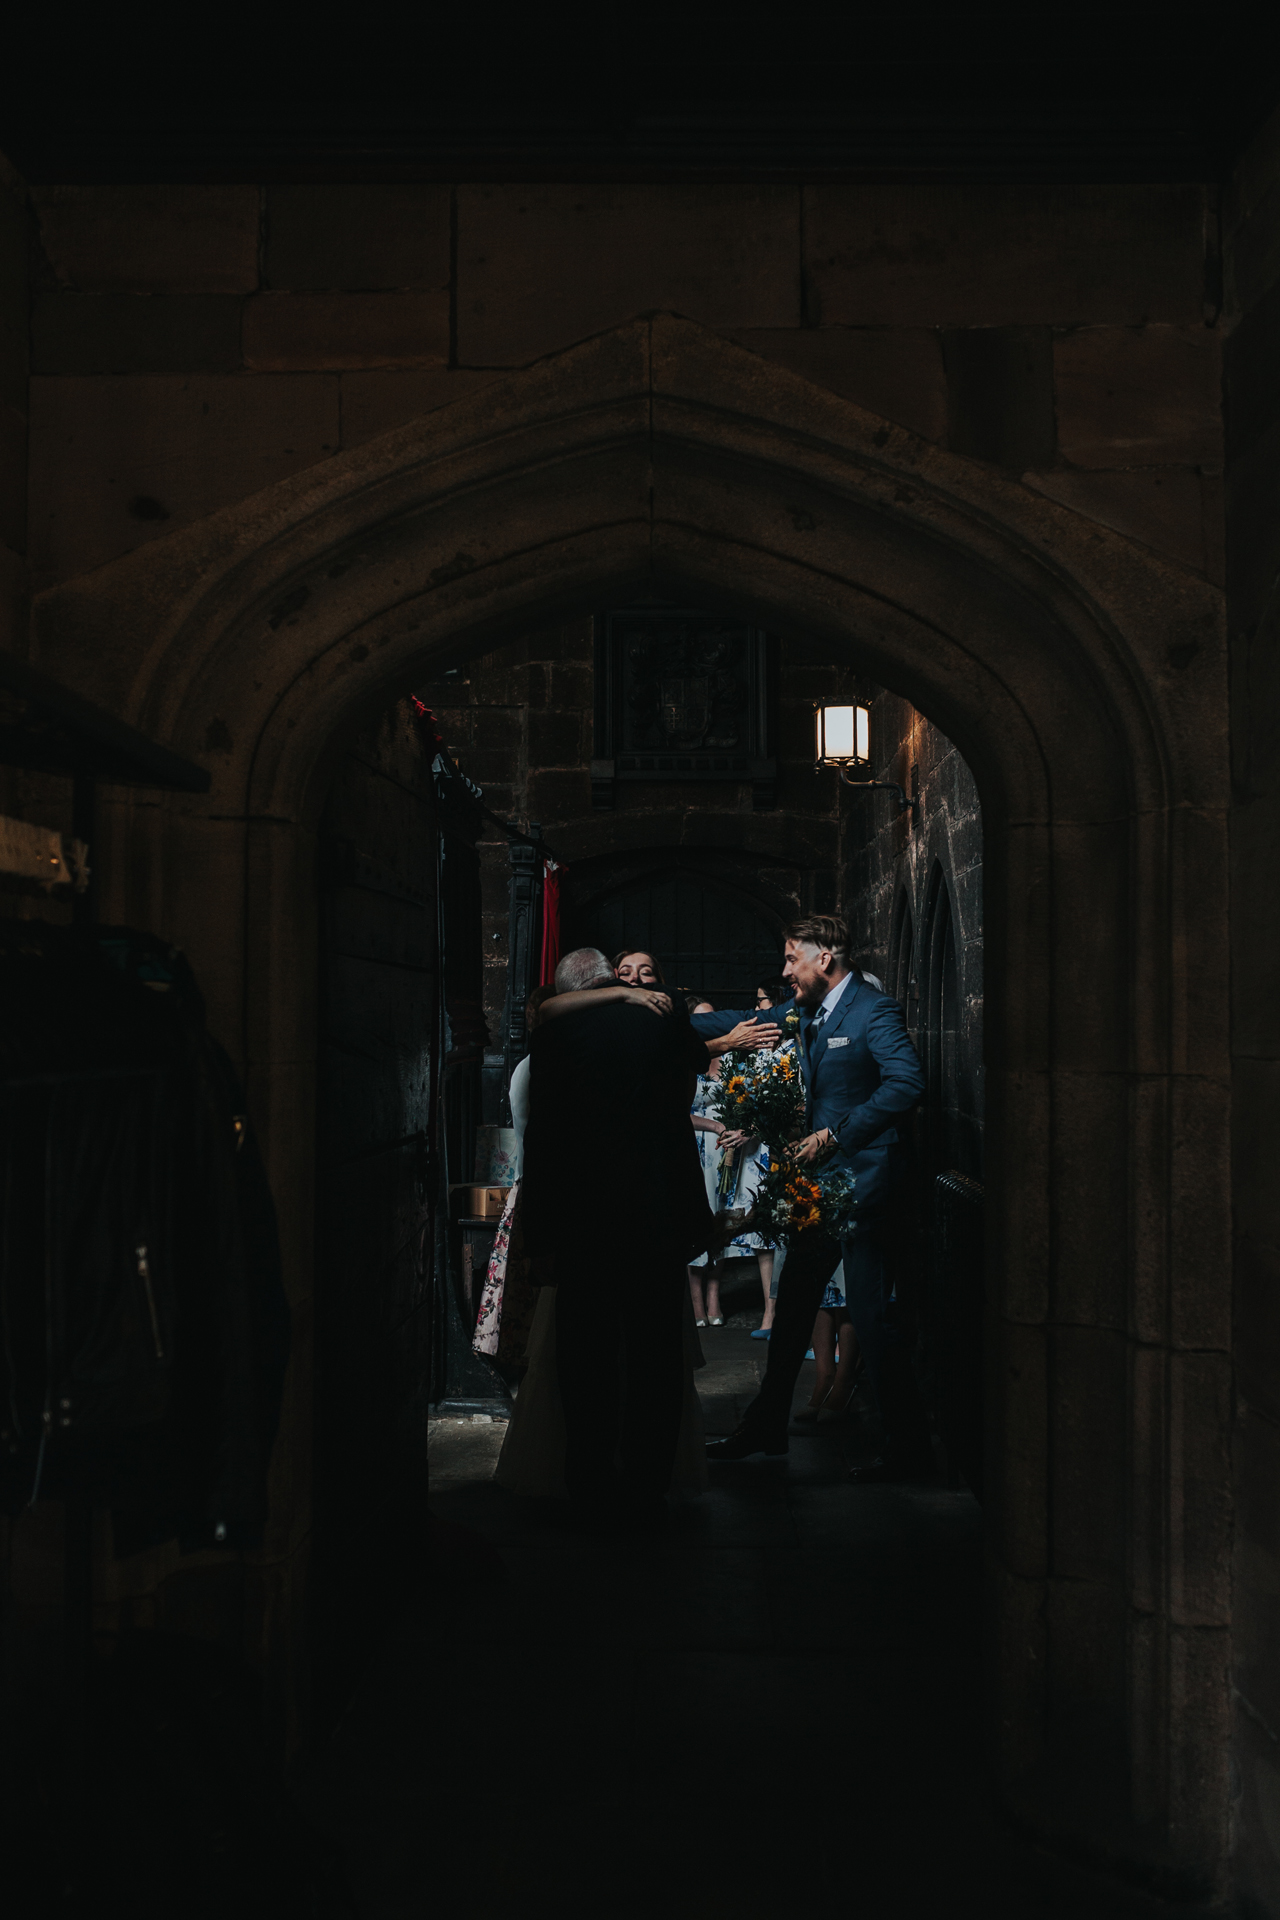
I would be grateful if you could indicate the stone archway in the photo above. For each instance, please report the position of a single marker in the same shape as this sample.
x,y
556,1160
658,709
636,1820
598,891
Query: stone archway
x,y
1083,680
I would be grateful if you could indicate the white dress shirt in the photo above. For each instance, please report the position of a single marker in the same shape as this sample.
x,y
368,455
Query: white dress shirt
x,y
823,1014
824,1011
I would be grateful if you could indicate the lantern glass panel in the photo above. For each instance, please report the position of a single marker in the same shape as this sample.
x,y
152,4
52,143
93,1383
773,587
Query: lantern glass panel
x,y
840,735
864,733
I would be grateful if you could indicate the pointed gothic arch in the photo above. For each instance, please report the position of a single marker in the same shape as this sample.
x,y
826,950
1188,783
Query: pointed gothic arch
x,y
940,1020
1083,680
902,955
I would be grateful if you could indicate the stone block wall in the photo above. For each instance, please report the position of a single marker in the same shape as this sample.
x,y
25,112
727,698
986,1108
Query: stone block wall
x,y
13,408
192,344
1252,258
902,876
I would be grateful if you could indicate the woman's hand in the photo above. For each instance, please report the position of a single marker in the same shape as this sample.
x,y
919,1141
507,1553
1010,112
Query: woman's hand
x,y
649,997
727,1228
735,1139
747,1033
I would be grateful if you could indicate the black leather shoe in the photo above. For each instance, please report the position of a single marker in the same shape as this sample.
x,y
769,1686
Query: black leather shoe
x,y
878,1471
745,1445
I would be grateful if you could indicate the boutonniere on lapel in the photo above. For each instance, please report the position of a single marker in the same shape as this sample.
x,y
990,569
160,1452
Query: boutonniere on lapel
x,y
791,1024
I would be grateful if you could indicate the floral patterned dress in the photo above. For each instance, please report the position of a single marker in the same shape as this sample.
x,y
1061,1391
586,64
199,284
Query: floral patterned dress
x,y
489,1322
506,1313
743,1191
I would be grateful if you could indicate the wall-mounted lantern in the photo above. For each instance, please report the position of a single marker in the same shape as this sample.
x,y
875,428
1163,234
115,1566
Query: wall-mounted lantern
x,y
843,740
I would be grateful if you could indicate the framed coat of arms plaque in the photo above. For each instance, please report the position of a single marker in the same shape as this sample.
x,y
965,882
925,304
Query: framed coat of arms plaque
x,y
682,695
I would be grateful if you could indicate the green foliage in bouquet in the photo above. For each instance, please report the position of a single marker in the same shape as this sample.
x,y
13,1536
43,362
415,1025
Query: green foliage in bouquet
x,y
792,1200
763,1095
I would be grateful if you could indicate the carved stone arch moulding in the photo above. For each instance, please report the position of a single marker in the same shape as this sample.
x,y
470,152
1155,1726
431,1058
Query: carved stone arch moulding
x,y
902,949
1083,680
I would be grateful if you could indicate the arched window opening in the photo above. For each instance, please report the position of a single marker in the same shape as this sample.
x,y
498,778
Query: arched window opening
x,y
902,982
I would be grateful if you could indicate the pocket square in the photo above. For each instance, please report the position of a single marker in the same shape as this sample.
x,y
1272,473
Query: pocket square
x,y
839,1040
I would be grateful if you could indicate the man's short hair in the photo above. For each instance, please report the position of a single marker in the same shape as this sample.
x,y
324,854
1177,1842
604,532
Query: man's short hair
x,y
821,930
584,967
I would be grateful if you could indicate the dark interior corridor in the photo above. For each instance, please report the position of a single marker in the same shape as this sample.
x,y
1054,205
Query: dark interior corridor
x,y
828,1640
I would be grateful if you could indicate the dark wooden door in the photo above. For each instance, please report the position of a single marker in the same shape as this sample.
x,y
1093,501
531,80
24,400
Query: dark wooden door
x,y
709,938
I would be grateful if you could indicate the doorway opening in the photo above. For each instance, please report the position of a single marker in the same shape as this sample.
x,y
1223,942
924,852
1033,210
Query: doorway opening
x,y
426,900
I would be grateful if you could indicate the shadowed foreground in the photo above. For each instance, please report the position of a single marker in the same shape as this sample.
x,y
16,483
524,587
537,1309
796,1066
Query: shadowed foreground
x,y
772,1707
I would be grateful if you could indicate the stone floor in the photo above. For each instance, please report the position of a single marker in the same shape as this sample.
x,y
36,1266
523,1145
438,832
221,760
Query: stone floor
x,y
770,1711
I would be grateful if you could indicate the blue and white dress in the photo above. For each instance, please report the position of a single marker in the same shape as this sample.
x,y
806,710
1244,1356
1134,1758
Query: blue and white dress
x,y
834,1295
742,1194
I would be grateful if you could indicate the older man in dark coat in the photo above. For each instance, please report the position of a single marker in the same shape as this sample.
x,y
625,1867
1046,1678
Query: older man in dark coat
x,y
614,1201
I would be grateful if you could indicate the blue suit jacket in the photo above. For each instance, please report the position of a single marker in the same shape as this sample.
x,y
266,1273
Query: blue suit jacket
x,y
863,1074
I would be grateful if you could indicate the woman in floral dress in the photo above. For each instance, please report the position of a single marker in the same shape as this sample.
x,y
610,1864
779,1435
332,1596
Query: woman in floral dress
x,y
503,1323
731,1189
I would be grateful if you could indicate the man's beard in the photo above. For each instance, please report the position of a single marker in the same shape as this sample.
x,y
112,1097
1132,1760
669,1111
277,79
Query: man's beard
x,y
810,996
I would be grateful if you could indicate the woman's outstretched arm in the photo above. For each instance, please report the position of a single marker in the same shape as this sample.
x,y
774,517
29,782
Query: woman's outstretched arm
x,y
748,1032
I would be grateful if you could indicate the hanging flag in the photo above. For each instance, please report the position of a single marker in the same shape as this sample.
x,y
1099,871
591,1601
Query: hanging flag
x,y
428,723
551,872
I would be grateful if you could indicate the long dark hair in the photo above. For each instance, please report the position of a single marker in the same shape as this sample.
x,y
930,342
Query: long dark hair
x,y
535,1003
618,959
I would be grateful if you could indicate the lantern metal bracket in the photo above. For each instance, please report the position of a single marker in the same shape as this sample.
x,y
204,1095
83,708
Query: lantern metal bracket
x,y
855,727
909,805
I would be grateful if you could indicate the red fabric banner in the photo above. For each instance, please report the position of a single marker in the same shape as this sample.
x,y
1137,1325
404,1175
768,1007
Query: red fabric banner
x,y
550,922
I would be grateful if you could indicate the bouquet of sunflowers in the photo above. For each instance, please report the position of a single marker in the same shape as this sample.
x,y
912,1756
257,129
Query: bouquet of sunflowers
x,y
761,1094
793,1200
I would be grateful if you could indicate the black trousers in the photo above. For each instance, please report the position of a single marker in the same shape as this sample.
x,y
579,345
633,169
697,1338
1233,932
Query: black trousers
x,y
868,1291
620,1359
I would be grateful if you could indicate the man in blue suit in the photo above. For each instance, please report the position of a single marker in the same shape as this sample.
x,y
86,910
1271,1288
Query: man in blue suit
x,y
861,1075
